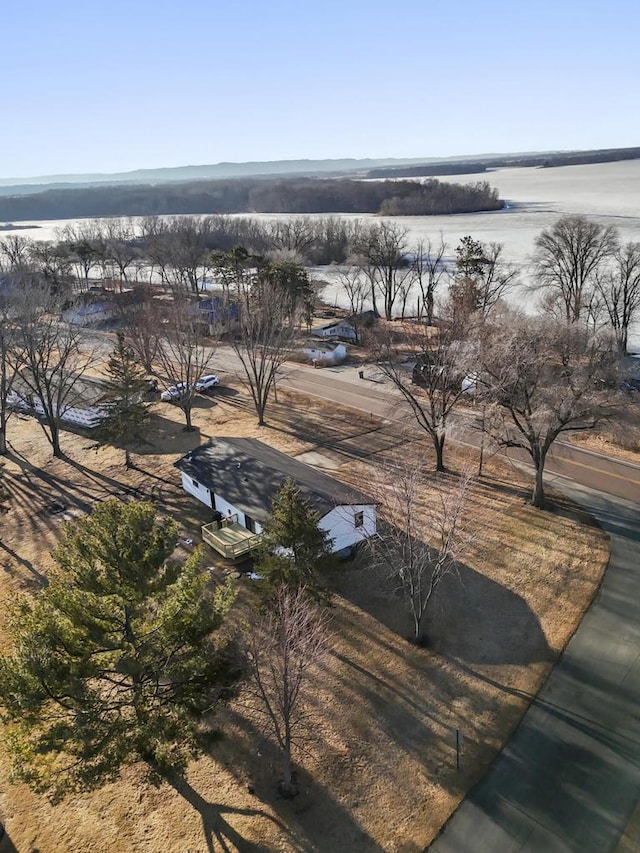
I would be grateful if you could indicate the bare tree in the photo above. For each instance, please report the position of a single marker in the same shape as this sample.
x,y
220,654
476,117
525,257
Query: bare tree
x,y
356,288
414,505
182,254
143,325
382,251
53,263
50,358
83,242
619,289
14,251
185,353
428,270
544,379
292,235
265,335
567,259
10,354
434,386
120,251
284,648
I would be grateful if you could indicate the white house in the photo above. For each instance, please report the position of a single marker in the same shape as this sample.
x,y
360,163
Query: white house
x,y
326,352
340,329
90,312
86,407
239,477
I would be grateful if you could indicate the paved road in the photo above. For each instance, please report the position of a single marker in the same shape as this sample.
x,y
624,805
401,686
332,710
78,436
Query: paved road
x,y
342,386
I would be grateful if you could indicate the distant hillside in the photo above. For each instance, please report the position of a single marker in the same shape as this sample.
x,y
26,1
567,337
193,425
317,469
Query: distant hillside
x,y
220,171
425,170
388,167
546,160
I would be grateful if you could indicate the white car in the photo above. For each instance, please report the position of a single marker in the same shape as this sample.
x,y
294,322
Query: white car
x,y
206,383
174,392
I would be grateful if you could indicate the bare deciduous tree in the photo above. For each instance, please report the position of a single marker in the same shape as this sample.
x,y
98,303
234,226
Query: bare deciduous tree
x,y
51,357
10,354
382,251
284,646
356,288
619,289
567,259
544,379
143,324
415,505
266,329
14,251
428,270
434,387
185,352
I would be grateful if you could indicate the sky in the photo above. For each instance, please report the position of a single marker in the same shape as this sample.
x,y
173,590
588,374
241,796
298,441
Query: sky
x,y
109,85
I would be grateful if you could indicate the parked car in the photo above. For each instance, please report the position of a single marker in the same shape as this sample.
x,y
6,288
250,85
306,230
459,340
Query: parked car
x,y
206,383
174,392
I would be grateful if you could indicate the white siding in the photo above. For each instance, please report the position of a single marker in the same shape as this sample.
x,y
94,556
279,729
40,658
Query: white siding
x,y
225,509
196,489
340,524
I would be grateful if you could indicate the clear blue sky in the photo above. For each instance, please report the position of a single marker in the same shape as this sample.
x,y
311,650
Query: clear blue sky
x,y
109,85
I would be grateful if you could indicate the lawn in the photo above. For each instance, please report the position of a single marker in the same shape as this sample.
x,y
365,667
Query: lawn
x,y
382,774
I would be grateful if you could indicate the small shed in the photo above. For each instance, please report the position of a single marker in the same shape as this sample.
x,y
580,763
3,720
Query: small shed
x,y
324,351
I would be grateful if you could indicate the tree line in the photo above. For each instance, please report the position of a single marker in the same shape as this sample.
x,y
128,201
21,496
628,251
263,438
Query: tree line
x,y
294,195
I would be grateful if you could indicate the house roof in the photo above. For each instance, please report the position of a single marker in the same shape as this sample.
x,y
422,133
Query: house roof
x,y
248,473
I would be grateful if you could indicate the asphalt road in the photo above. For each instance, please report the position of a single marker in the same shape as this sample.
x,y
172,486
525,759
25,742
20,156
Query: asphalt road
x,y
615,477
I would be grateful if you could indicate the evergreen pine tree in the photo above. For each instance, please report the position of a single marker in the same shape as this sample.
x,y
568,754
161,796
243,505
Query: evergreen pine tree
x,y
294,551
116,660
127,413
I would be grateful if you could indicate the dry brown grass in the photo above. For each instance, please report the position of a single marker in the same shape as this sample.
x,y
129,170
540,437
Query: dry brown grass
x,y
382,775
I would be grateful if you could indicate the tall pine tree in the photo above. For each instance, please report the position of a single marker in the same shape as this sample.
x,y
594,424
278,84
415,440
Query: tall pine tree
x,y
294,551
117,659
127,414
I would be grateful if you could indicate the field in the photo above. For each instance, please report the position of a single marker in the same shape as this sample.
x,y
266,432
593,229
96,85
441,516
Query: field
x,y
382,774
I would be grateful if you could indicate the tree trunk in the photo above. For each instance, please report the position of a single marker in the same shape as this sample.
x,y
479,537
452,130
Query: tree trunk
x,y
127,458
187,417
3,441
287,786
537,498
261,405
55,441
438,444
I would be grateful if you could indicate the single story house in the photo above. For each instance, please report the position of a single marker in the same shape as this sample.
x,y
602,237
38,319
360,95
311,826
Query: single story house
x,y
325,352
86,407
218,313
340,329
239,478
90,312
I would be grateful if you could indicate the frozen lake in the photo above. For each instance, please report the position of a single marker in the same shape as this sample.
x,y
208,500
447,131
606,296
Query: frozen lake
x,y
606,192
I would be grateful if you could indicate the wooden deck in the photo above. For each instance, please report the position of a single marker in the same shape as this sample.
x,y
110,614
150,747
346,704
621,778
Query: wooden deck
x,y
230,539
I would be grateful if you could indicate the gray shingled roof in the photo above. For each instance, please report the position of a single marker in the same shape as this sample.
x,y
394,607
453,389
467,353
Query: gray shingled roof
x,y
248,473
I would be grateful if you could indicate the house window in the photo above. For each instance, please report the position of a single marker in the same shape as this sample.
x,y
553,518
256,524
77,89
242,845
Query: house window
x,y
196,483
358,519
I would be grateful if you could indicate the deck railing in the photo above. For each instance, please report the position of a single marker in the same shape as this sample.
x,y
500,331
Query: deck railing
x,y
230,551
